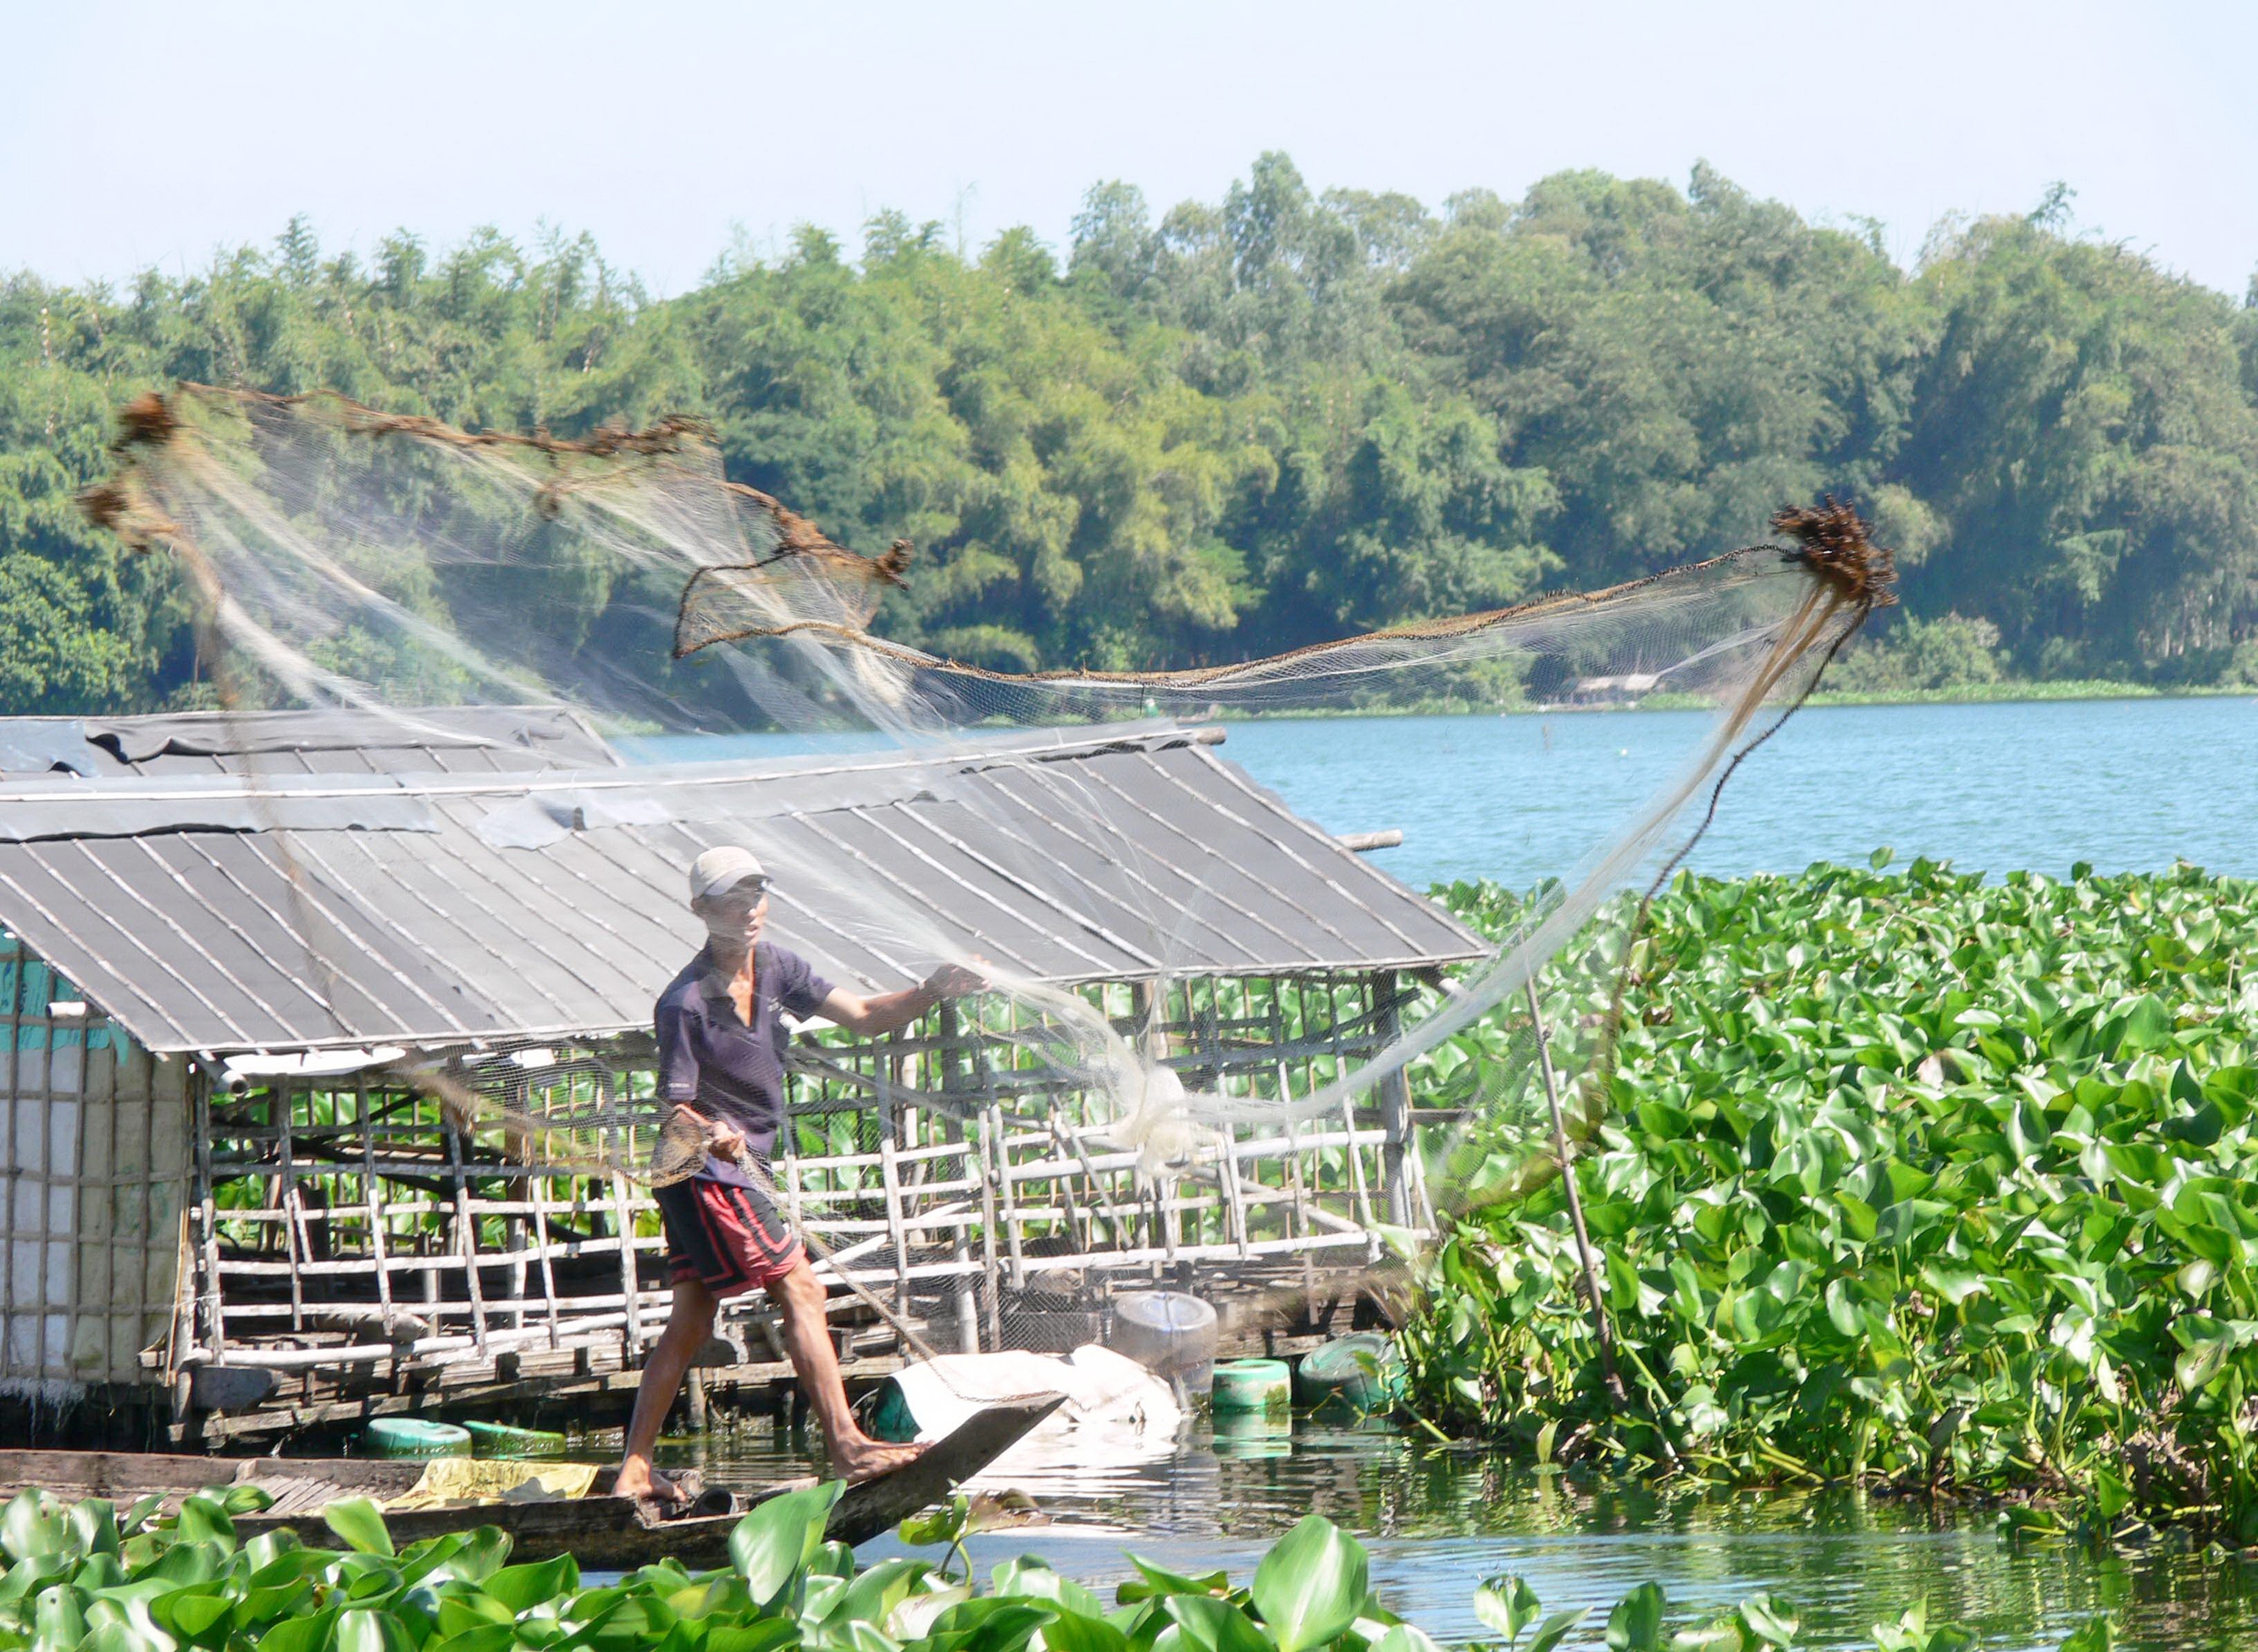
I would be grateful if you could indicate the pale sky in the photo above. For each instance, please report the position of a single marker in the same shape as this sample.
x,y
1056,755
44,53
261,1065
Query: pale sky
x,y
134,134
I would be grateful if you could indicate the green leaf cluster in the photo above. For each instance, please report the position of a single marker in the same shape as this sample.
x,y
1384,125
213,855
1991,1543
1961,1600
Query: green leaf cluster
x,y
1258,422
1904,1177
88,1579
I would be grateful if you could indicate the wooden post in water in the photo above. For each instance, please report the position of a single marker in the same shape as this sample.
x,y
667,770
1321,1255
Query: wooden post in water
x,y
956,1079
1148,1002
1394,1107
890,1130
215,1303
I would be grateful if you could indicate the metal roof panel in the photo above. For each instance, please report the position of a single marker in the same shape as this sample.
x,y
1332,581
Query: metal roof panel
x,y
1125,854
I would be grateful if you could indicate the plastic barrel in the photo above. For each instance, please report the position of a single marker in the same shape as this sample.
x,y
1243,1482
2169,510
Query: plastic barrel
x,y
1253,1434
499,1440
1362,1368
1254,1384
889,1417
414,1437
1169,1332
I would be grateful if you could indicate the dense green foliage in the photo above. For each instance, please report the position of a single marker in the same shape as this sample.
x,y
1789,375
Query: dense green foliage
x,y
1946,653
1909,1178
90,1579
1258,422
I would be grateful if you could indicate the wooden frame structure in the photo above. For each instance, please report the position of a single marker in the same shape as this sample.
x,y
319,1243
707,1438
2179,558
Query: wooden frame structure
x,y
230,945
354,1247
96,1158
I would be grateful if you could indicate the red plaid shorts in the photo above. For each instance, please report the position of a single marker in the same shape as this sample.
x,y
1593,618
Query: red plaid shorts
x,y
730,1239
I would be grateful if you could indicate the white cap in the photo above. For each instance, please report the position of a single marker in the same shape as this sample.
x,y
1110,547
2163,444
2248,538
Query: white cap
x,y
723,868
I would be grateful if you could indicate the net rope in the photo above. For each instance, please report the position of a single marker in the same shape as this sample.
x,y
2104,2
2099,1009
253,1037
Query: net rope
x,y
342,557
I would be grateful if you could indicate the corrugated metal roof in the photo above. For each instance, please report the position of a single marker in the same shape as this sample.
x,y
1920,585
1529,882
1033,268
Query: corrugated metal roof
x,y
448,739
467,907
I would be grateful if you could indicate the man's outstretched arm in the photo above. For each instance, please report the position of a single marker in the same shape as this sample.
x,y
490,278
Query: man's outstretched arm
x,y
889,1012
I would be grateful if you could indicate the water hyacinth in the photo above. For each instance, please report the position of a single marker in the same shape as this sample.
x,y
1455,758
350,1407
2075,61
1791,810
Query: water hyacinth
x,y
87,1579
1898,1178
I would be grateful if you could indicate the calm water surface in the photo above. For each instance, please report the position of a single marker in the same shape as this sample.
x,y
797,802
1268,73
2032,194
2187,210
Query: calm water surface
x,y
2128,785
1437,1521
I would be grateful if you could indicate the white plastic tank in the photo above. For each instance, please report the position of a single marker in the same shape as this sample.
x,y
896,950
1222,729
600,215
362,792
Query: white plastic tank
x,y
1170,1333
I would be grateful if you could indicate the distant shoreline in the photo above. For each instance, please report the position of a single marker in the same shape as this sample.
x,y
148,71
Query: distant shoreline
x,y
1972,694
1980,694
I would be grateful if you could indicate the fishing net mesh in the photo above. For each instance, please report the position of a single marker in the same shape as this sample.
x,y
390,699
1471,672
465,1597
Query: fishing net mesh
x,y
343,557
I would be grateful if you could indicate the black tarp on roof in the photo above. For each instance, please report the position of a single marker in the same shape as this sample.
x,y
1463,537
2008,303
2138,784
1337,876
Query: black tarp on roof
x,y
437,908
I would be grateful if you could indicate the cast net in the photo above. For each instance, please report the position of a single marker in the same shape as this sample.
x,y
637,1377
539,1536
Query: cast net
x,y
1185,987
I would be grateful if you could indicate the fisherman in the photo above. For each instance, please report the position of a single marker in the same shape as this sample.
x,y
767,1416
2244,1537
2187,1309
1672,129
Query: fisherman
x,y
721,1056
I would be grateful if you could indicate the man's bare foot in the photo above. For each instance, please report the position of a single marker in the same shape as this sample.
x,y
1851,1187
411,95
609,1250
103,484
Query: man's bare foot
x,y
647,1485
863,1458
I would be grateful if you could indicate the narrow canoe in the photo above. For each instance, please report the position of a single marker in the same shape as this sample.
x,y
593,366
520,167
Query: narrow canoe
x,y
603,1532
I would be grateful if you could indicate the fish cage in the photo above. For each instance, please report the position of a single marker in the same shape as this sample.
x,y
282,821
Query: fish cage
x,y
229,946
354,1237
96,1152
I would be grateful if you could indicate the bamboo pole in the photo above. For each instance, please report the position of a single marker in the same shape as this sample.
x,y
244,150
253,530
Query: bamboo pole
x,y
466,1231
1599,1325
788,1137
1227,1180
1007,1189
369,1193
1358,1192
101,1231
890,1176
991,1180
145,1069
623,1219
1298,1207
43,1182
1395,1107
294,1238
968,1313
215,1313
14,986
941,1073
952,1129
541,1191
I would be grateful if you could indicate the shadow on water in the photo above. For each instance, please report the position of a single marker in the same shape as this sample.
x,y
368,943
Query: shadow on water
x,y
1439,1520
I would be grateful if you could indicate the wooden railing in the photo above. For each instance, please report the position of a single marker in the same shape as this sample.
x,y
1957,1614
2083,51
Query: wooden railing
x,y
348,1238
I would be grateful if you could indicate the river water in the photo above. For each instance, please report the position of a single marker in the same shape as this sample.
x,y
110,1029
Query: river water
x,y
1437,1521
2123,784
2126,784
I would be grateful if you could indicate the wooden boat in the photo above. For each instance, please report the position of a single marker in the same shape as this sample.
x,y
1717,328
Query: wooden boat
x,y
603,1531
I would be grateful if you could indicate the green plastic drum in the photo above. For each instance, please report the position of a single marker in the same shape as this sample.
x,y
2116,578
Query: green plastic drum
x,y
1254,1384
414,1437
889,1418
1362,1368
499,1440
1253,1434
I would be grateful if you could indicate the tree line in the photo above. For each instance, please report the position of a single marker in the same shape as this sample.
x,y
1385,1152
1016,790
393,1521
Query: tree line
x,y
1243,425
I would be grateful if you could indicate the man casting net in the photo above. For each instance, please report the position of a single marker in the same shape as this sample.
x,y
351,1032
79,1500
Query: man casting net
x,y
389,565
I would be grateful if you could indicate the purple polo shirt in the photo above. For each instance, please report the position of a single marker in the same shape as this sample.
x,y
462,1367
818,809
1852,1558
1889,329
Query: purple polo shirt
x,y
720,1065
